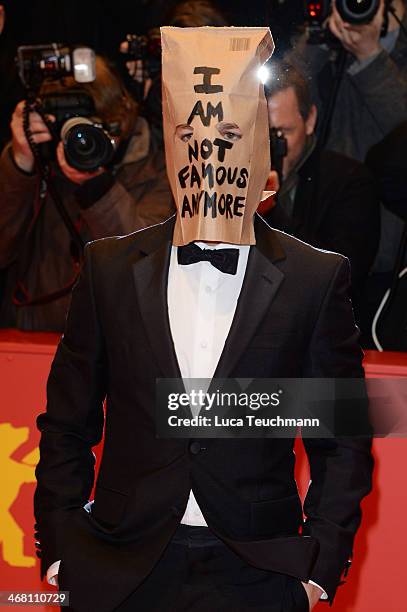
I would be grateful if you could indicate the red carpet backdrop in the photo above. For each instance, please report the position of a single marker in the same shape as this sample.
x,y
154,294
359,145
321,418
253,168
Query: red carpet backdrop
x,y
376,580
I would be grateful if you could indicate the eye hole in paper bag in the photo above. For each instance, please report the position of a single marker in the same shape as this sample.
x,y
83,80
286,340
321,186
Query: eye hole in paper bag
x,y
229,131
184,132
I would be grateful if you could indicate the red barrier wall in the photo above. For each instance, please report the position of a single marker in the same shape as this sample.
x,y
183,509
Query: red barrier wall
x,y
376,579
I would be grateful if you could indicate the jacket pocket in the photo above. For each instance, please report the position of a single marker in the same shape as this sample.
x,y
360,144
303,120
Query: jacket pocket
x,y
108,507
276,516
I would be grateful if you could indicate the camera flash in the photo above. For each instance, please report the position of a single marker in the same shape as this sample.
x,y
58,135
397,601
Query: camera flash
x,y
84,65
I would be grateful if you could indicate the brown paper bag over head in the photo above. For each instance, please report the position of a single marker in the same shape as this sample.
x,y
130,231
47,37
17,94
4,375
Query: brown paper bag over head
x,y
216,129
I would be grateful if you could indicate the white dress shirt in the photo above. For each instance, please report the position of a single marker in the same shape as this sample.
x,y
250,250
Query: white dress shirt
x,y
202,302
201,305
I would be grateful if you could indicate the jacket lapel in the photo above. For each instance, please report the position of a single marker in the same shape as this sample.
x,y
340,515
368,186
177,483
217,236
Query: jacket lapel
x,y
261,283
151,279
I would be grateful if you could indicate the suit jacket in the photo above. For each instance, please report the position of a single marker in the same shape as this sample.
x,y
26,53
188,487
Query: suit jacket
x,y
336,207
293,319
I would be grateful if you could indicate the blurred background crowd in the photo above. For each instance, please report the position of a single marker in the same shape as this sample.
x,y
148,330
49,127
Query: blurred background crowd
x,y
83,158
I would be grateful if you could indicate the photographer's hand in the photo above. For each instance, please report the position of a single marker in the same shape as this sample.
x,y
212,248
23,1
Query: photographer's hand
x,y
22,153
76,176
362,41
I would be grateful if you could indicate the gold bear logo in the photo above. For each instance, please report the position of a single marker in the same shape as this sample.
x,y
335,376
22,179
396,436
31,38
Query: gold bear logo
x,y
13,474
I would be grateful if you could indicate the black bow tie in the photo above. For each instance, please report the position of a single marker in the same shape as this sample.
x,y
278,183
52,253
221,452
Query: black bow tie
x,y
224,260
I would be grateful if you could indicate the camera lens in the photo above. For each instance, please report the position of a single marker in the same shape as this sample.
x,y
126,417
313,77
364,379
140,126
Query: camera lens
x,y
83,143
357,11
87,146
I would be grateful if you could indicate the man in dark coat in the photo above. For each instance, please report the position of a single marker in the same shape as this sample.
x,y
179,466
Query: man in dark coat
x,y
326,199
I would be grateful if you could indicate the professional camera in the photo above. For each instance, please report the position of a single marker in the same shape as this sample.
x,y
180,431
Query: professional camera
x,y
357,12
146,49
88,143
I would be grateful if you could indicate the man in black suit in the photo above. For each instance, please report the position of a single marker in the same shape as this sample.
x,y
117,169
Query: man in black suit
x,y
326,199
198,524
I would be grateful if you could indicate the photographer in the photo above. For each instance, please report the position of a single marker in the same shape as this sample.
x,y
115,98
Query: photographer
x,y
372,87
325,199
128,193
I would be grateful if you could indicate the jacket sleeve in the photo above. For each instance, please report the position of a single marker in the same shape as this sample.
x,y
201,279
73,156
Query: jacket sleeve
x,y
122,210
382,85
18,192
73,421
341,467
308,60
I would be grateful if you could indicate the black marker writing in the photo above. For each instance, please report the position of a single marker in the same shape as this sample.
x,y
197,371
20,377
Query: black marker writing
x,y
211,111
206,87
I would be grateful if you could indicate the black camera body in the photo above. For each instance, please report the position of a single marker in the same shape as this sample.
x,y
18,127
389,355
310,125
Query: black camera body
x,y
278,150
88,143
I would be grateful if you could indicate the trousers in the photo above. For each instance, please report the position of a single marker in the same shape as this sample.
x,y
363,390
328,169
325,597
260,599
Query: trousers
x,y
199,573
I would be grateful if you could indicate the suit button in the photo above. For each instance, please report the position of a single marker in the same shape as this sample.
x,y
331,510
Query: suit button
x,y
195,447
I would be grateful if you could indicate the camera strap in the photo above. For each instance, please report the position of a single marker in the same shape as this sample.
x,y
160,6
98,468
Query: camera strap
x,y
338,67
46,186
389,323
45,171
